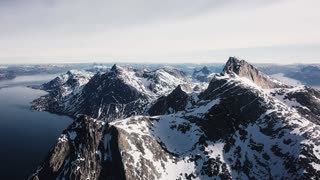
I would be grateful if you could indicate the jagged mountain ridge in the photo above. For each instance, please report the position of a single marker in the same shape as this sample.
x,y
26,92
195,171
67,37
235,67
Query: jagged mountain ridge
x,y
117,93
235,129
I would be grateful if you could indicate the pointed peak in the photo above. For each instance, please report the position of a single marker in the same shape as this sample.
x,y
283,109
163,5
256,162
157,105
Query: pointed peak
x,y
73,72
244,69
234,65
184,87
70,72
205,70
233,60
116,68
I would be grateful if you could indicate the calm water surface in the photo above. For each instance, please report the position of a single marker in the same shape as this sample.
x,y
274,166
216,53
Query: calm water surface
x,y
26,136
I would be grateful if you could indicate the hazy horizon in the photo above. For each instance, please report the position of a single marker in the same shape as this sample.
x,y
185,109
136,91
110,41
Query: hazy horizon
x,y
150,31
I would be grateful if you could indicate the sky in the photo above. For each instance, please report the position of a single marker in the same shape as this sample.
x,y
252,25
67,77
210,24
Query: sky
x,y
159,31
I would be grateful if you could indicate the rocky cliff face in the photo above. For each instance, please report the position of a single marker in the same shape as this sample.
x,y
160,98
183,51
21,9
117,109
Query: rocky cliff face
x,y
241,127
244,69
88,149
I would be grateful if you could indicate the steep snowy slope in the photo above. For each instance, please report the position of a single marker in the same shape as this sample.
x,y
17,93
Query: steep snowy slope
x,y
243,126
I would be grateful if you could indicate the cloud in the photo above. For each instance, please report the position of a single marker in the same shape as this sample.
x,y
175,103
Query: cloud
x,y
100,15
143,29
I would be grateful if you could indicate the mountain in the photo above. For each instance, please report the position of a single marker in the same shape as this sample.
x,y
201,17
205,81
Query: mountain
x,y
7,75
11,71
177,100
63,92
245,125
309,75
297,73
162,81
117,93
202,74
244,69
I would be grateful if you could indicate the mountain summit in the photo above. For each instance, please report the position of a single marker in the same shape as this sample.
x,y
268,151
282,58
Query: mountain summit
x,y
244,69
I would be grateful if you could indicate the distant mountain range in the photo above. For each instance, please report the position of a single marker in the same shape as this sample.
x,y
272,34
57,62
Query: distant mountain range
x,y
306,74
8,72
165,124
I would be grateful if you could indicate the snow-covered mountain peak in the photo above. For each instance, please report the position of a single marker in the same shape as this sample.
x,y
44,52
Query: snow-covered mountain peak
x,y
116,68
73,79
162,81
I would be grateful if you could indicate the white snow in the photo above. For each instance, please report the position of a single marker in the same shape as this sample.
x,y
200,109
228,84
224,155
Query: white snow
x,y
63,138
175,140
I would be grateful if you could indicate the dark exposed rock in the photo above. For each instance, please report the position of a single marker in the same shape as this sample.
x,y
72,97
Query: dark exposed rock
x,y
84,152
176,101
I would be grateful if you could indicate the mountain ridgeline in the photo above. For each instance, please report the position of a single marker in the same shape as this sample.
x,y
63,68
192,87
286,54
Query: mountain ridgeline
x,y
118,93
141,124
